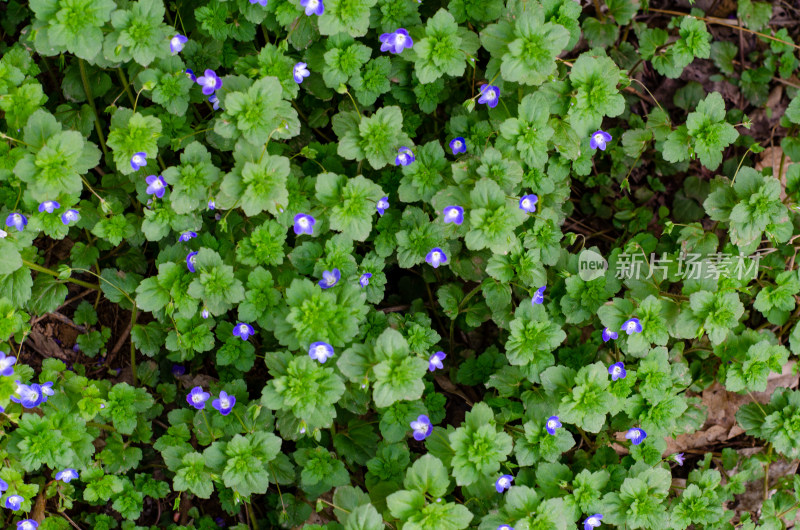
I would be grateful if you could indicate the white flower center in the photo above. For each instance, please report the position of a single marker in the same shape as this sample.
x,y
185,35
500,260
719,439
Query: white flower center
x,y
452,213
593,521
526,203
490,95
137,159
5,363
313,4
3,233
504,482
17,218
457,144
399,39
175,41
551,424
321,351
420,427
225,403
196,398
302,222
617,370
157,184
436,256
243,329
599,138
210,81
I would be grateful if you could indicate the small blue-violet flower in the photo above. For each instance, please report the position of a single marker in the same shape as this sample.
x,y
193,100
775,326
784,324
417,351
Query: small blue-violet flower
x,y
300,72
396,41
636,435
204,313
212,205
593,521
69,216
382,205
599,140
538,296
190,74
262,3
552,424
404,157
330,278
138,160
197,398
3,234
6,364
617,371
608,335
67,475
3,485
177,43
49,206
186,236
435,361
453,214
422,427
436,257
503,483
505,527
13,502
458,145
190,260
224,403
156,185
243,331
678,457
528,203
17,220
27,524
313,7
214,100
631,326
47,390
304,224
320,351
210,82
30,396
364,280
490,95
178,370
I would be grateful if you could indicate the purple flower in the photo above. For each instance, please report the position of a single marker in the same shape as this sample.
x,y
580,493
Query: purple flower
x,y
453,214
599,140
631,326
300,72
422,427
67,475
197,398
504,527
330,278
3,234
204,313
214,100
490,94
13,502
30,396
210,82
243,330
552,424
435,361
592,521
69,216
27,524
395,42
304,224
212,205
320,351
636,435
49,206
678,457
503,483
47,390
404,157
262,3
382,205
190,260
3,485
608,335
17,220
313,7
224,403
176,43
190,74
186,236
156,185
6,364
364,280
436,257
538,296
617,371
178,370
138,160
458,145
528,203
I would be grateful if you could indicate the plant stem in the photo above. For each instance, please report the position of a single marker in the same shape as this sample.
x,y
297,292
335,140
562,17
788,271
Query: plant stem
x,y
45,270
134,314
126,85
88,90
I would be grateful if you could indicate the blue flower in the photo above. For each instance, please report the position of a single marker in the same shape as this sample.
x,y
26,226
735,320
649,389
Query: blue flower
x,y
67,475
593,521
156,185
3,485
617,371
214,100
435,361
552,424
27,524
6,364
678,457
404,157
538,296
30,396
608,335
224,404
396,41
176,43
313,7
49,206
490,95
190,259
503,483
262,3
382,205
197,398
453,214
364,280
504,527
17,220
13,502
304,224
70,216
528,203
3,234
178,370
138,160
300,72
212,205
632,325
599,140
636,435
320,351
330,278
210,82
243,330
458,145
422,427
47,390
204,313
436,257
186,236
190,74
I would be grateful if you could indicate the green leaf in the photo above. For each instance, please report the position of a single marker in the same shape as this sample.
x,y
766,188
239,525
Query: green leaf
x,y
589,401
346,16
131,133
243,461
376,138
752,373
444,50
398,376
352,203
478,446
595,79
139,33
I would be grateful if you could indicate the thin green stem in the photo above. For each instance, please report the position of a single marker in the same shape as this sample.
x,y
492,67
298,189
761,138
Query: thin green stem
x,y
125,84
134,314
45,270
87,88
208,425
241,421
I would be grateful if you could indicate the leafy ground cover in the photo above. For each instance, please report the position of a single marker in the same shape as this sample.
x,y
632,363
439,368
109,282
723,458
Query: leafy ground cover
x,y
366,264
